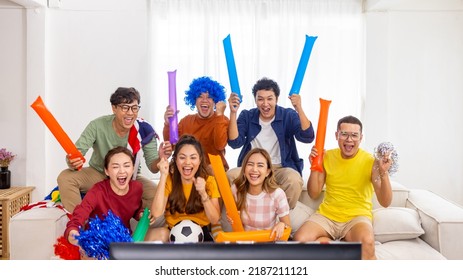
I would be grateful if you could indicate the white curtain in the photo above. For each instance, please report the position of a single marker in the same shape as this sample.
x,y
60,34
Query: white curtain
x,y
267,38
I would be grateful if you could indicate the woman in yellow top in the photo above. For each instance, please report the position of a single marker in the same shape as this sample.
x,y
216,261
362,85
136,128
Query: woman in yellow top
x,y
185,189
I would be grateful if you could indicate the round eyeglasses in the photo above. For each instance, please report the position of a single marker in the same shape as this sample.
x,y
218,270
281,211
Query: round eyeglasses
x,y
343,135
125,108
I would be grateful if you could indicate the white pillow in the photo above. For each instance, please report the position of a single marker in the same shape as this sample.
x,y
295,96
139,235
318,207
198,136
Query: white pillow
x,y
396,223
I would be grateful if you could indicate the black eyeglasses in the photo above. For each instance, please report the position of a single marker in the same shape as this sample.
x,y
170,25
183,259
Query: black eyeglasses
x,y
125,108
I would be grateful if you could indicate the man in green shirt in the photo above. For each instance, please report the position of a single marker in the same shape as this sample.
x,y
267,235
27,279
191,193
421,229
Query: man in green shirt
x,y
122,128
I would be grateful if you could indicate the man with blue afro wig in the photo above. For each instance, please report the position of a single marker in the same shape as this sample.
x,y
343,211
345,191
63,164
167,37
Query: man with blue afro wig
x,y
202,85
209,125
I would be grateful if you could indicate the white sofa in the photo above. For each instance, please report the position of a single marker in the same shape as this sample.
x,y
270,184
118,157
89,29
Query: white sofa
x,y
419,225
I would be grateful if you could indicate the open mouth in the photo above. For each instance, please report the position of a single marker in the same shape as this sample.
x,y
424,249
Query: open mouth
x,y
265,111
348,148
187,171
204,109
121,180
254,177
128,121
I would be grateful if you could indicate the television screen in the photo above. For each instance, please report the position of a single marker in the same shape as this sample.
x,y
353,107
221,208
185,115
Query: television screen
x,y
235,251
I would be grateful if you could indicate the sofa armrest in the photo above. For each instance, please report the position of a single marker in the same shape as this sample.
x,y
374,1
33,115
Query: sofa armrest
x,y
441,220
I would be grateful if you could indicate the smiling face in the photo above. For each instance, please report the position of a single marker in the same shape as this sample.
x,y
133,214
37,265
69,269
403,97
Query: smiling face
x,y
188,161
256,170
349,137
266,102
205,105
119,170
123,121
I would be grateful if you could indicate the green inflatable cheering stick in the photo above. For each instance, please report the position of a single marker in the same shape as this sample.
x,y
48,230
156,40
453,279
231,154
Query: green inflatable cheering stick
x,y
142,227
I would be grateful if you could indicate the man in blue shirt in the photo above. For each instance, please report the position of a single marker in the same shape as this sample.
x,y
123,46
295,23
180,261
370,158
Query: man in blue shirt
x,y
275,129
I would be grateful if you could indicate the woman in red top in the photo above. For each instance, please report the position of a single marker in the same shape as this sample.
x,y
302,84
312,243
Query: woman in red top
x,y
117,193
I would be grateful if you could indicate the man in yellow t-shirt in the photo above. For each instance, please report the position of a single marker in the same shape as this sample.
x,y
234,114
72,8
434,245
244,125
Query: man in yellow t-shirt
x,y
351,176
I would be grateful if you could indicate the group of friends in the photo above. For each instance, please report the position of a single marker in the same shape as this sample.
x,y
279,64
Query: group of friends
x,y
266,183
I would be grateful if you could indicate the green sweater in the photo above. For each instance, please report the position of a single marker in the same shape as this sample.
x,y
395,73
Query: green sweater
x,y
100,135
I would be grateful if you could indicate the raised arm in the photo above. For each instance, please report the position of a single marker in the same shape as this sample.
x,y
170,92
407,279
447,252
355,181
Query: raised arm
x,y
165,150
167,114
316,179
296,102
220,127
211,205
234,103
381,182
160,200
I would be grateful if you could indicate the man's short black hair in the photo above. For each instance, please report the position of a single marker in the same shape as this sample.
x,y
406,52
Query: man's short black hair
x,y
350,119
125,95
266,84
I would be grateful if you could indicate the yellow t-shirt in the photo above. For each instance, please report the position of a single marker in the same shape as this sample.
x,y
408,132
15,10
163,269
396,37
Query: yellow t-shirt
x,y
349,190
199,218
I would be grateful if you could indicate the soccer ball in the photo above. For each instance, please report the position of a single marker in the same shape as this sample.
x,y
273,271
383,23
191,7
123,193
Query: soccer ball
x,y
186,231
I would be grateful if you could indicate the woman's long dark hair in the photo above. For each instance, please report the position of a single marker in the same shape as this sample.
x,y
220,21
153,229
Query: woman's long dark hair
x,y
176,203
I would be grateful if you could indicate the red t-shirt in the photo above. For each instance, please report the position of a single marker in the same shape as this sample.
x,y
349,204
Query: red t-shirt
x,y
101,198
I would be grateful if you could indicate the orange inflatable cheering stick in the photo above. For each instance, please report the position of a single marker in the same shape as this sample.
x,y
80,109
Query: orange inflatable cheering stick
x,y
256,236
317,162
56,129
225,192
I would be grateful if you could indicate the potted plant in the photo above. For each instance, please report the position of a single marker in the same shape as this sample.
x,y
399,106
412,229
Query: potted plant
x,y
5,175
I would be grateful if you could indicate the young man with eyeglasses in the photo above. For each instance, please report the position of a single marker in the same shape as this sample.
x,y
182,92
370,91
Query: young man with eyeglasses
x,y
122,128
351,176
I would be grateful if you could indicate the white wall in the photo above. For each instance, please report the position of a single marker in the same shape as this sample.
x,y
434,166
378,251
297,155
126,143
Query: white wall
x,y
414,94
73,56
13,88
77,54
92,50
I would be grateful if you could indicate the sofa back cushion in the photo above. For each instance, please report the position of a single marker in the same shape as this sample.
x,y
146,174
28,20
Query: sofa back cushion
x,y
399,197
396,223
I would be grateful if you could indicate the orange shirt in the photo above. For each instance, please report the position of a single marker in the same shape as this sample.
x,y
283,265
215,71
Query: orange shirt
x,y
212,133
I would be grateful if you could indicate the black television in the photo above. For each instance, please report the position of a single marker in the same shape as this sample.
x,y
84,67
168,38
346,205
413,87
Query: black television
x,y
235,251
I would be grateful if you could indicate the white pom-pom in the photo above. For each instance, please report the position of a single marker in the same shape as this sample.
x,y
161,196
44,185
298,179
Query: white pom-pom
x,y
387,148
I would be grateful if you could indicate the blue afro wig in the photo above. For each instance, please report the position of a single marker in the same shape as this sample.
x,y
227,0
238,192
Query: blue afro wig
x,y
204,84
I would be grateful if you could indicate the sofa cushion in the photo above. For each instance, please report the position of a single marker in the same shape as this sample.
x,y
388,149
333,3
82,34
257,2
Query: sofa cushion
x,y
299,215
399,197
410,249
396,223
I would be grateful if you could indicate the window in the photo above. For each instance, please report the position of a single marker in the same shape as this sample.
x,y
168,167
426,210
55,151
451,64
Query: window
x,y
267,38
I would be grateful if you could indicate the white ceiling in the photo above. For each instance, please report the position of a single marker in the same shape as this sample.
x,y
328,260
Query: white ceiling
x,y
369,5
413,5
6,3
